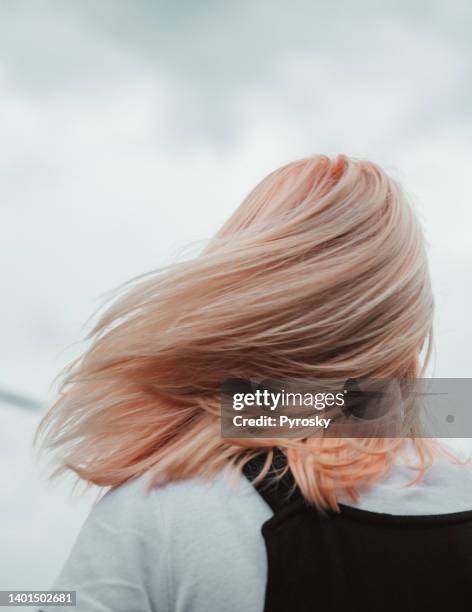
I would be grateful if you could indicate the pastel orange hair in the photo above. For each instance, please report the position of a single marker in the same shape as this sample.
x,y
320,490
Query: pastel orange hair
x,y
321,272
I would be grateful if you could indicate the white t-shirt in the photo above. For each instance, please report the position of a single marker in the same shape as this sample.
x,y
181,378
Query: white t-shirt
x,y
196,546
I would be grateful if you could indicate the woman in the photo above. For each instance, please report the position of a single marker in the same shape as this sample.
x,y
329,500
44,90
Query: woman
x,y
320,273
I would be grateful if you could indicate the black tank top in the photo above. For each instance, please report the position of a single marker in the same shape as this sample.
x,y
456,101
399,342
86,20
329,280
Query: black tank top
x,y
361,561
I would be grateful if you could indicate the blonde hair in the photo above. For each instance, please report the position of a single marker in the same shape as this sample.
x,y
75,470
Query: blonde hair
x,y
320,272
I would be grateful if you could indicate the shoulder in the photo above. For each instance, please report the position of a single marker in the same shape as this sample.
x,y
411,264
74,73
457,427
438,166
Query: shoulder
x,y
179,541
134,503
445,488
190,532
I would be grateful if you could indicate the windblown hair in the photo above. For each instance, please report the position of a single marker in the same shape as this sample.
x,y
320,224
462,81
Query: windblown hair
x,y
321,272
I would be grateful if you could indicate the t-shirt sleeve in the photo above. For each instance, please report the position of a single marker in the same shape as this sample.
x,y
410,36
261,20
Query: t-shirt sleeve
x,y
111,566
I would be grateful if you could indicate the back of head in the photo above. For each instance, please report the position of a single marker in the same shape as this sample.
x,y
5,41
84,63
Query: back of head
x,y
321,272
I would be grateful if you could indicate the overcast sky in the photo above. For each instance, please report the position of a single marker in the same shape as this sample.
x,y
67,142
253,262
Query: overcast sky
x,y
131,129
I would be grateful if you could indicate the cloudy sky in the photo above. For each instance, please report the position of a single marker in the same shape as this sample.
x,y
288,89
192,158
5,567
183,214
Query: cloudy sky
x,y
130,130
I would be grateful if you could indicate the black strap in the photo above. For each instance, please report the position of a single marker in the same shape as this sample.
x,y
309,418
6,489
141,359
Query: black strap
x,y
278,487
